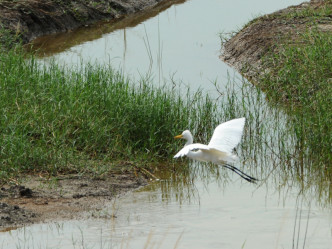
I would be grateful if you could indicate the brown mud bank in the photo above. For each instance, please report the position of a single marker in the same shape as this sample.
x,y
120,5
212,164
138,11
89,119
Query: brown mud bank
x,y
35,18
38,199
246,49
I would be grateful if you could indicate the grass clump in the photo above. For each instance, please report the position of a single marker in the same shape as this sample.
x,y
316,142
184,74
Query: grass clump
x,y
55,120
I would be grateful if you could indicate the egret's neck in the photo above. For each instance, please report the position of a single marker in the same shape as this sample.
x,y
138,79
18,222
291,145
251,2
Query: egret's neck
x,y
190,140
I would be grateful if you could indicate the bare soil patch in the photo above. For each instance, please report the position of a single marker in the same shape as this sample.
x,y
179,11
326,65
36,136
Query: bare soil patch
x,y
245,50
67,197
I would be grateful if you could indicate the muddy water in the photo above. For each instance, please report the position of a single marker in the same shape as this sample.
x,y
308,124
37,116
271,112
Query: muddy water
x,y
202,212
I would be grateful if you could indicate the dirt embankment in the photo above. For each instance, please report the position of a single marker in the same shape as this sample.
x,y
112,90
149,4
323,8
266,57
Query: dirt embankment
x,y
38,199
34,18
245,50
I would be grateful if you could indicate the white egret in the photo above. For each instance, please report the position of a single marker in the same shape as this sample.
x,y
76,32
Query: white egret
x,y
225,138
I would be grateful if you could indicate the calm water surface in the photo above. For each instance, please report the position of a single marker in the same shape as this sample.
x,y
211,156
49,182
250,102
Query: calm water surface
x,y
181,44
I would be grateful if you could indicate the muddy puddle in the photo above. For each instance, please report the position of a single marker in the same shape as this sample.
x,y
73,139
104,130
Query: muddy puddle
x,y
205,207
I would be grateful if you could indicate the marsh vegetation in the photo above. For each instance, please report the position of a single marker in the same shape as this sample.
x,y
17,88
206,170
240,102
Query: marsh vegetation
x,y
90,120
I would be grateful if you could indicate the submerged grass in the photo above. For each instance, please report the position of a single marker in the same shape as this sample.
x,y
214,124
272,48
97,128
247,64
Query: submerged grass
x,y
56,120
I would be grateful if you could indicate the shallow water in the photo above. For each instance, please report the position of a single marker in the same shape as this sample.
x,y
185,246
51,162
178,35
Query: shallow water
x,y
205,212
233,216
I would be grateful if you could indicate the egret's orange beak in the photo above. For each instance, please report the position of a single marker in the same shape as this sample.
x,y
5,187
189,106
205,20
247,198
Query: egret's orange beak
x,y
178,136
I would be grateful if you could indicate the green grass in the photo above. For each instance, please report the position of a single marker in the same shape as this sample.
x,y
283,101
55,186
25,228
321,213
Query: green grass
x,y
317,13
55,120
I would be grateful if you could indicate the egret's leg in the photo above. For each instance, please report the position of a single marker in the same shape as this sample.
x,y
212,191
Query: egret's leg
x,y
240,173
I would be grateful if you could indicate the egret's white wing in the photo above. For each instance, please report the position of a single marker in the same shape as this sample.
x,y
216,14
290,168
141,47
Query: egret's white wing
x,y
227,135
185,150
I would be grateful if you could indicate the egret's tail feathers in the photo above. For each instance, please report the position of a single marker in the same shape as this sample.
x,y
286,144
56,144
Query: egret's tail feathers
x,y
235,158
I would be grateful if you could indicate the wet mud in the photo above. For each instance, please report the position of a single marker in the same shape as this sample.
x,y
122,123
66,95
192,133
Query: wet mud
x,y
38,199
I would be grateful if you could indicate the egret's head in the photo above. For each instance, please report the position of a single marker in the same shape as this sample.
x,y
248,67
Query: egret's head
x,y
186,135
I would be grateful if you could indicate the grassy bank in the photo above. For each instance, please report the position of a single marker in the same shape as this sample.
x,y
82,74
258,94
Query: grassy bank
x,y
287,54
300,79
56,121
